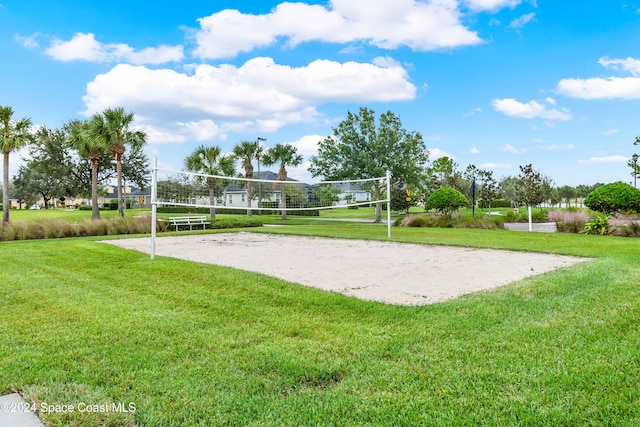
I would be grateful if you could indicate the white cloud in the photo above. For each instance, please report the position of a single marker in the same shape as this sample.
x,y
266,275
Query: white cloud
x,y
85,47
555,147
474,150
605,159
28,42
495,166
491,5
607,87
550,100
523,20
530,110
436,153
610,132
631,65
510,149
419,25
257,96
307,146
301,172
472,112
601,88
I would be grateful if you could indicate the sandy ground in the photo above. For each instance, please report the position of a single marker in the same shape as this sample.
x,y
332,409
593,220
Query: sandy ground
x,y
396,273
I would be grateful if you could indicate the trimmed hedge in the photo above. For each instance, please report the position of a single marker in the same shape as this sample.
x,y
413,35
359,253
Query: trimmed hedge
x,y
446,200
615,197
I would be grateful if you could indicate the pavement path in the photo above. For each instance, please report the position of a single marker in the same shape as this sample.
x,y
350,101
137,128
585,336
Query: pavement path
x,y
540,227
14,412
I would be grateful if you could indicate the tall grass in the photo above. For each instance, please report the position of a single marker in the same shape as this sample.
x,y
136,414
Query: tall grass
x,y
568,221
51,228
56,227
456,221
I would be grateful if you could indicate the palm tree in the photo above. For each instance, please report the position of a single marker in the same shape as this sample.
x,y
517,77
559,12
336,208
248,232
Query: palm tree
x,y
13,135
285,155
210,161
111,129
88,147
246,152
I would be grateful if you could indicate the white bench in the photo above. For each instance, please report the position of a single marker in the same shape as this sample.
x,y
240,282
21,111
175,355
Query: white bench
x,y
190,221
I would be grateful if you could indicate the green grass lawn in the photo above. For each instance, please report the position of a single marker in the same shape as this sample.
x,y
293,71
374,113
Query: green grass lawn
x,y
191,344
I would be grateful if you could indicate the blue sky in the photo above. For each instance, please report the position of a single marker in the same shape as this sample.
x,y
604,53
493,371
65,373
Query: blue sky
x,y
494,83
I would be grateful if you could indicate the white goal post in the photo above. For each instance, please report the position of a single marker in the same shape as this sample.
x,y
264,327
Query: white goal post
x,y
262,195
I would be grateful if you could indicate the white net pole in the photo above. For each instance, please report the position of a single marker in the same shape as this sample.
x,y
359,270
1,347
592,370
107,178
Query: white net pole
x,y
154,206
388,204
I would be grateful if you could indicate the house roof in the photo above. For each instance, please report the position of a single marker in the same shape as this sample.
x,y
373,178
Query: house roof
x,y
266,175
135,192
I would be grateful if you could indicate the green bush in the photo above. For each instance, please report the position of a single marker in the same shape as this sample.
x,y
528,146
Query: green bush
x,y
598,225
615,197
240,222
446,200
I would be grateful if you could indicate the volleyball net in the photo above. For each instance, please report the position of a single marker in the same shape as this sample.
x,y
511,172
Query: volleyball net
x,y
264,194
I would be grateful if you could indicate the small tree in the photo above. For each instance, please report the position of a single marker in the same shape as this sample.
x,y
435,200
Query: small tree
x,y
399,200
615,197
446,200
530,188
489,189
285,155
328,195
508,190
211,162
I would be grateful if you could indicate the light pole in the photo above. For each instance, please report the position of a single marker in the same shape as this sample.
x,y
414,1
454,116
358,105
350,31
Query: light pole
x,y
259,154
635,168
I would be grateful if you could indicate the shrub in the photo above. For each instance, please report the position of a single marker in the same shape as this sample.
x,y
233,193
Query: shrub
x,y
236,222
631,229
624,225
615,197
568,221
599,224
446,200
441,221
480,221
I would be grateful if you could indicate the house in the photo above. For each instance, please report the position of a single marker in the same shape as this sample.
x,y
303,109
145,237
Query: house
x,y
351,193
235,194
136,197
